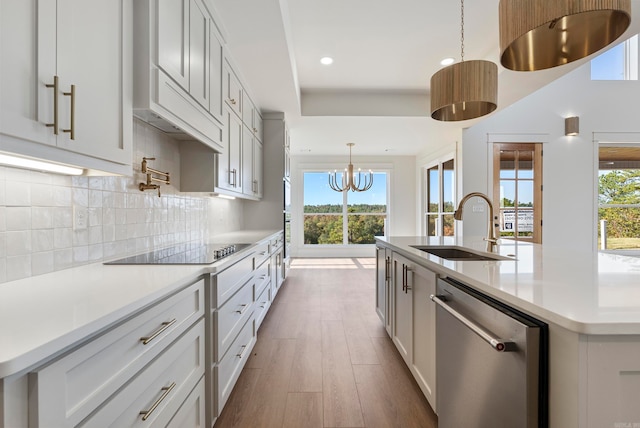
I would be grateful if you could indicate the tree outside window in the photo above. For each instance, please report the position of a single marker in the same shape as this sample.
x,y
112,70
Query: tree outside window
x,y
343,218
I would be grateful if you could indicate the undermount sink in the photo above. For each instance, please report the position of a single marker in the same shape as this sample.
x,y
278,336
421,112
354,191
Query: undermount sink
x,y
457,253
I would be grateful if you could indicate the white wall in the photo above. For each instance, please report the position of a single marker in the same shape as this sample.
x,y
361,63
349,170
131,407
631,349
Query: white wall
x,y
402,200
569,163
36,213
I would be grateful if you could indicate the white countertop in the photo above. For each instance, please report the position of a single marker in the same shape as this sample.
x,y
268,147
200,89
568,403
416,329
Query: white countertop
x,y
582,292
43,315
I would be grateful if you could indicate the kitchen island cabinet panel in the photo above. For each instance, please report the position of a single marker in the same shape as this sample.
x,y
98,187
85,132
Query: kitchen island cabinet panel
x,y
403,307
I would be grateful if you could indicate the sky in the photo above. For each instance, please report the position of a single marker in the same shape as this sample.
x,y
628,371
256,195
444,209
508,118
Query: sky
x,y
318,192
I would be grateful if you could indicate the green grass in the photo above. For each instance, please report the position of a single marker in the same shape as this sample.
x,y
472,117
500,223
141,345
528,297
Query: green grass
x,y
622,243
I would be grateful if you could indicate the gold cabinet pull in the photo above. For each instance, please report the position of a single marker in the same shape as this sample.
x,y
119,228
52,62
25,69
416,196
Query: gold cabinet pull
x,y
165,325
232,101
242,349
54,85
244,307
72,127
167,390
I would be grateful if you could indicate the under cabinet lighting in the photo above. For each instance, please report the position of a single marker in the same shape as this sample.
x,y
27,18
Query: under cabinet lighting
x,y
218,195
38,165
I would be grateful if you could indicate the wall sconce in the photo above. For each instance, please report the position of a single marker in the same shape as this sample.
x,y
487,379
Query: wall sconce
x,y
571,126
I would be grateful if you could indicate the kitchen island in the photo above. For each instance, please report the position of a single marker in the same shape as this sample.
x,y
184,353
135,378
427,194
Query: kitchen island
x,y
591,303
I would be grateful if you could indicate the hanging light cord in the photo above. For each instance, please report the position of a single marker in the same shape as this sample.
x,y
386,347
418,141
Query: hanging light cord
x,y
461,30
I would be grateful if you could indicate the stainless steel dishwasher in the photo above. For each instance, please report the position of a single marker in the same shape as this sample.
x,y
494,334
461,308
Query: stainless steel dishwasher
x,y
491,362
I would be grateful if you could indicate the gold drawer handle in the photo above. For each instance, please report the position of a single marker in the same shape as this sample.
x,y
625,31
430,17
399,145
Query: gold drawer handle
x,y
241,354
167,390
72,127
244,308
54,85
165,325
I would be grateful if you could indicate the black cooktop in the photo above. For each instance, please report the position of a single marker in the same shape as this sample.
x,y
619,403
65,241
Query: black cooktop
x,y
182,254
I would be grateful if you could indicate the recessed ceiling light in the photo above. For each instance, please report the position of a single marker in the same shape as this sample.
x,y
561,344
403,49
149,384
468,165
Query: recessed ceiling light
x,y
327,60
447,61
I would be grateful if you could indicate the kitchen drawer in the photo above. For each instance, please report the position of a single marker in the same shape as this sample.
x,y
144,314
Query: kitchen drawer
x,y
276,242
160,389
192,412
226,373
261,254
229,318
227,282
261,278
263,303
70,388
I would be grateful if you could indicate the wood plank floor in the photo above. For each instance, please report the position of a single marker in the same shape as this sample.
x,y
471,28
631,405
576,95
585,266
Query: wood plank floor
x,y
323,358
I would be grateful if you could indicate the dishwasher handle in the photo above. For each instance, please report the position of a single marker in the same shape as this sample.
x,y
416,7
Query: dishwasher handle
x,y
497,344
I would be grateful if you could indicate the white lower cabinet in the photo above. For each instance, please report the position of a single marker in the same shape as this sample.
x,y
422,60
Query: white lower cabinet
x,y
91,374
192,412
413,326
403,306
157,393
227,370
423,364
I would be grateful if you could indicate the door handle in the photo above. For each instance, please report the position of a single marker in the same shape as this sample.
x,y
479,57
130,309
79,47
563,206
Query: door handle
x,y
54,86
72,125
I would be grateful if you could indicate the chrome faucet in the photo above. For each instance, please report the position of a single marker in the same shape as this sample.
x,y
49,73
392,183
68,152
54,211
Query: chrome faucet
x,y
491,239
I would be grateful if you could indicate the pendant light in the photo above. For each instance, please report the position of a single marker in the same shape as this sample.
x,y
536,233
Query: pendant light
x,y
540,34
349,181
465,90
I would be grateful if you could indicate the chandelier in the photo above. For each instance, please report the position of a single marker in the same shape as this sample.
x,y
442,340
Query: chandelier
x,y
465,90
349,180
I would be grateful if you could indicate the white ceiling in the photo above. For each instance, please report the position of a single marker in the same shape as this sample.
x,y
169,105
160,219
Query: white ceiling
x,y
376,92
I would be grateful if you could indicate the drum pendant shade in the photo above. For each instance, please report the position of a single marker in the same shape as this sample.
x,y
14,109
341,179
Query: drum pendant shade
x,y
464,90
540,34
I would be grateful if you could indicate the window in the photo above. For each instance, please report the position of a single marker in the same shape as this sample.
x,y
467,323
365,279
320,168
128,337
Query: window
x,y
343,218
619,198
440,191
618,63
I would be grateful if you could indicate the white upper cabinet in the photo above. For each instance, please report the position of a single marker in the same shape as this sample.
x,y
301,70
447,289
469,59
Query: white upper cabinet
x,y
173,40
199,23
232,90
66,82
178,71
215,73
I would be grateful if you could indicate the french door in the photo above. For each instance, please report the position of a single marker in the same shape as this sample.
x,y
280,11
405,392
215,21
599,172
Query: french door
x,y
517,190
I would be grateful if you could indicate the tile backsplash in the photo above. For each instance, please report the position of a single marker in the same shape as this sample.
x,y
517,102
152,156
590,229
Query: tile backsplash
x,y
37,233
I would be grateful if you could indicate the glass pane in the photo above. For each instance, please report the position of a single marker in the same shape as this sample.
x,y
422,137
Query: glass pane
x,y
507,164
525,164
318,196
448,186
373,200
447,225
609,65
433,190
507,222
364,228
525,194
323,229
431,225
525,222
507,193
622,228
